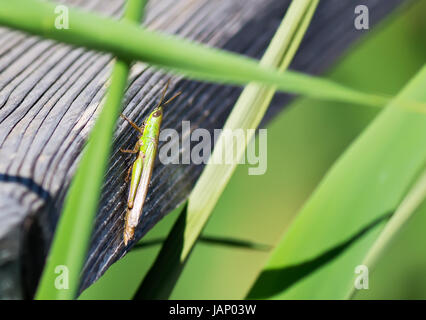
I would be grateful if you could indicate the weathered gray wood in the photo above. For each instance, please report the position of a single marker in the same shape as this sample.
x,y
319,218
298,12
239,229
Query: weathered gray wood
x,y
51,93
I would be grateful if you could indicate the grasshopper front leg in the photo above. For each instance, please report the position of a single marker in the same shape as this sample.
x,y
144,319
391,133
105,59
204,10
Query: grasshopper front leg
x,y
134,125
134,150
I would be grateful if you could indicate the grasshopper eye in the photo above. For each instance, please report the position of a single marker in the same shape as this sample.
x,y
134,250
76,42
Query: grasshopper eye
x,y
156,114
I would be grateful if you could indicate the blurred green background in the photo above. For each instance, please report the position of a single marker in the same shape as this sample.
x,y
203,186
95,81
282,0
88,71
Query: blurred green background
x,y
303,142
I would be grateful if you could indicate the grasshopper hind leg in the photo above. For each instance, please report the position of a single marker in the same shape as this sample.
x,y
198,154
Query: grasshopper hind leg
x,y
127,179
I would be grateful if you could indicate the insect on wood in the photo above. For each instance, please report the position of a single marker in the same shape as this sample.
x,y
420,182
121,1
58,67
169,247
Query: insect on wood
x,y
141,170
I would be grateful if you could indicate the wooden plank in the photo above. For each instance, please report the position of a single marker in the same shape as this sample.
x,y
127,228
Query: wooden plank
x,y
50,95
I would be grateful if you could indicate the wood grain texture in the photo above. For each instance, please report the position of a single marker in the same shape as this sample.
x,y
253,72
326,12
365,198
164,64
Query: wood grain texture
x,y
50,95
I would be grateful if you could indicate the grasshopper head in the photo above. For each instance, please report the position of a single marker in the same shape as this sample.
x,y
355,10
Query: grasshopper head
x,y
158,112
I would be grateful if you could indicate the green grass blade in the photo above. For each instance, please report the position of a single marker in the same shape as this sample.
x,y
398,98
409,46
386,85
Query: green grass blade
x,y
167,267
130,42
74,229
338,225
405,211
246,114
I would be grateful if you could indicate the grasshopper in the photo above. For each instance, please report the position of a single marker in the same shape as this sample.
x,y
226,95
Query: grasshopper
x,y
146,148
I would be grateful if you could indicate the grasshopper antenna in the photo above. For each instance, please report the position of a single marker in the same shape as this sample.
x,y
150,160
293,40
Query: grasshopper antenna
x,y
164,95
172,98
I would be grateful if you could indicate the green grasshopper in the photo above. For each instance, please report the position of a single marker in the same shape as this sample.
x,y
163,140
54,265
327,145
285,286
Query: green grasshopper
x,y
146,147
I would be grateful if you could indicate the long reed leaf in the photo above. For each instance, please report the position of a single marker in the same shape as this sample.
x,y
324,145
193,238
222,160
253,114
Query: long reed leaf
x,y
61,275
246,114
405,211
331,236
130,42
